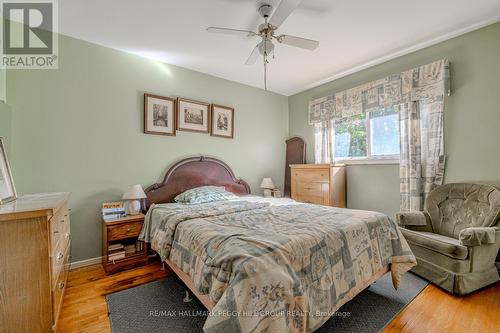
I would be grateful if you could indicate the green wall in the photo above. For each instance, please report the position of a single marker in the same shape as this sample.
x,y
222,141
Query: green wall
x,y
80,129
472,117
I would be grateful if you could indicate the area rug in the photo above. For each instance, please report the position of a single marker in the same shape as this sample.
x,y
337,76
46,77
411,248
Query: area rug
x,y
158,307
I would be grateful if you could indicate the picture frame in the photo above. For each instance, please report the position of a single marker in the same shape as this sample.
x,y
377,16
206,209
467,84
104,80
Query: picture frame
x,y
222,121
193,116
159,115
7,189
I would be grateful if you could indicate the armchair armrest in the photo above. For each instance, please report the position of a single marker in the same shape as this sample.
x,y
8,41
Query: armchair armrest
x,y
476,236
412,218
418,221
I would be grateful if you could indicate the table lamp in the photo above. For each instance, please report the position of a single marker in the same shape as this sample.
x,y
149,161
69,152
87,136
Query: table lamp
x,y
134,194
267,185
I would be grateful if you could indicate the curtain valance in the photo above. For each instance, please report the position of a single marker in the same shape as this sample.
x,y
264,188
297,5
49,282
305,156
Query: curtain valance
x,y
428,82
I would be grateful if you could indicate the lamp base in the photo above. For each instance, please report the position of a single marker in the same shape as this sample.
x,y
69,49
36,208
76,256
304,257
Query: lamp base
x,y
134,207
267,192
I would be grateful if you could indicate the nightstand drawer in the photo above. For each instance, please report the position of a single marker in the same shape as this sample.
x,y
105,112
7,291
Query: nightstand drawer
x,y
124,230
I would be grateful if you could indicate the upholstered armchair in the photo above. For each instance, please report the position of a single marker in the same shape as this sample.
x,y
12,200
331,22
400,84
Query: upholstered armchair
x,y
457,237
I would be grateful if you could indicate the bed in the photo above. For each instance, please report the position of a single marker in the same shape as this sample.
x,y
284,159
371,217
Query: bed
x,y
265,265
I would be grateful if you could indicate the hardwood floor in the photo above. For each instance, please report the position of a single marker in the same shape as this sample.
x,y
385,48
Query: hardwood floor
x,y
433,310
84,306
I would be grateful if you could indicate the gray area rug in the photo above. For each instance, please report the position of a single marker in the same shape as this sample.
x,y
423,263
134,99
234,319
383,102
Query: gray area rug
x,y
158,307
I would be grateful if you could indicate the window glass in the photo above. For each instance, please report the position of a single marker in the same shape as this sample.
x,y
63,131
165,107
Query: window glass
x,y
351,137
384,132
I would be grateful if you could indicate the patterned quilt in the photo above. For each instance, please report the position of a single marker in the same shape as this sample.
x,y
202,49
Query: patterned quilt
x,y
281,268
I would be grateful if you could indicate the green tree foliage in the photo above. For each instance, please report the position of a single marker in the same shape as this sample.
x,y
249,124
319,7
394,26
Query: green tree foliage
x,y
354,129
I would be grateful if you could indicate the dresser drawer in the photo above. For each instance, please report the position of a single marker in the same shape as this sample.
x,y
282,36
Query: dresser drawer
x,y
59,286
310,199
125,230
59,257
311,188
59,227
312,192
318,175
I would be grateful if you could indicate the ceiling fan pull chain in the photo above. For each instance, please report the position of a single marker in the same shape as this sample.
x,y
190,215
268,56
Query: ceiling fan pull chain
x,y
265,73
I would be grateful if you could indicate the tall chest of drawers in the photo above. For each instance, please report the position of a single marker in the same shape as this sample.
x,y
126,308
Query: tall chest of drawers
x,y
321,184
34,259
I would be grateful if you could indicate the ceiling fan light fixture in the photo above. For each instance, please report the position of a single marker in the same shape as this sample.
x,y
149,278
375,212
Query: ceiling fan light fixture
x,y
266,47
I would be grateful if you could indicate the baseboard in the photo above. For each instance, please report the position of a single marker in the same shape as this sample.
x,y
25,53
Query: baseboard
x,y
86,262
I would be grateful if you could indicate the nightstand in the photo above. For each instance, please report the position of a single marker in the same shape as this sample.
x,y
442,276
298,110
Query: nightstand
x,y
120,246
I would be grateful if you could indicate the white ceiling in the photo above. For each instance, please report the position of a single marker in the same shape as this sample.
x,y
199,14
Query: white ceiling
x,y
353,33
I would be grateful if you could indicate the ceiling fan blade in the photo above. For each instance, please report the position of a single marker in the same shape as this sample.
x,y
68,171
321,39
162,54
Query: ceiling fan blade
x,y
285,8
229,31
253,56
303,43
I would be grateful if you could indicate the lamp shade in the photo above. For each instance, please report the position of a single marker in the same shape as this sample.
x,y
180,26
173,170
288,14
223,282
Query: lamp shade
x,y
267,183
134,192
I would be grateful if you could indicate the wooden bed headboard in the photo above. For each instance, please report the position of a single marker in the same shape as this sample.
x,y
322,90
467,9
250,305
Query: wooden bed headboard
x,y
194,172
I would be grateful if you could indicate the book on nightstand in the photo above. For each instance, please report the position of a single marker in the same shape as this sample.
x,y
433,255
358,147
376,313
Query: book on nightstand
x,y
130,249
113,210
116,255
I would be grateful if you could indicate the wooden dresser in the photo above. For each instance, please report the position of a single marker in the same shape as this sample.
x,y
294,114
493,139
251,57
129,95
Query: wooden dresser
x,y
320,184
34,261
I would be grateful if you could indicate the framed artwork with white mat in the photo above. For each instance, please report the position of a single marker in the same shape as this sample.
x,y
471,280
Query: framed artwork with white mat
x,y
193,116
159,115
222,121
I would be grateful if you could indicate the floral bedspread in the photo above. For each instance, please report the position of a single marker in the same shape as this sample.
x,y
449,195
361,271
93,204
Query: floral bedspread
x,y
281,268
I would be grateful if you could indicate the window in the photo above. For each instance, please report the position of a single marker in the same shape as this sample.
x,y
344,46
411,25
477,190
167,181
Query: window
x,y
372,135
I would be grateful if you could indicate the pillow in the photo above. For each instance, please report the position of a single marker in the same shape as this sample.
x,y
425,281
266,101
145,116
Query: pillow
x,y
203,194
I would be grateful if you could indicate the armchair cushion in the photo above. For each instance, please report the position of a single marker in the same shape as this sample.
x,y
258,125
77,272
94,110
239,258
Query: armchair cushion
x,y
477,236
448,246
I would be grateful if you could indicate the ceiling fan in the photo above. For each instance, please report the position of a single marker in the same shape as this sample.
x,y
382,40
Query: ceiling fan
x,y
267,32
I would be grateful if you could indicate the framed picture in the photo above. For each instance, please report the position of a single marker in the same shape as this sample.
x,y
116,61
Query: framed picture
x,y
159,115
222,121
7,189
193,116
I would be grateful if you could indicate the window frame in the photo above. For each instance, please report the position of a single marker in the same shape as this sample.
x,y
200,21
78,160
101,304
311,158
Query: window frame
x,y
369,158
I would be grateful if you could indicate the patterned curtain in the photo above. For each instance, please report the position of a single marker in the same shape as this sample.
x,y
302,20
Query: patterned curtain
x,y
418,93
422,156
324,144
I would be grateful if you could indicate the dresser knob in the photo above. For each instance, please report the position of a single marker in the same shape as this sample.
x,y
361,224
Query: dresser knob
x,y
61,285
60,256
129,230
